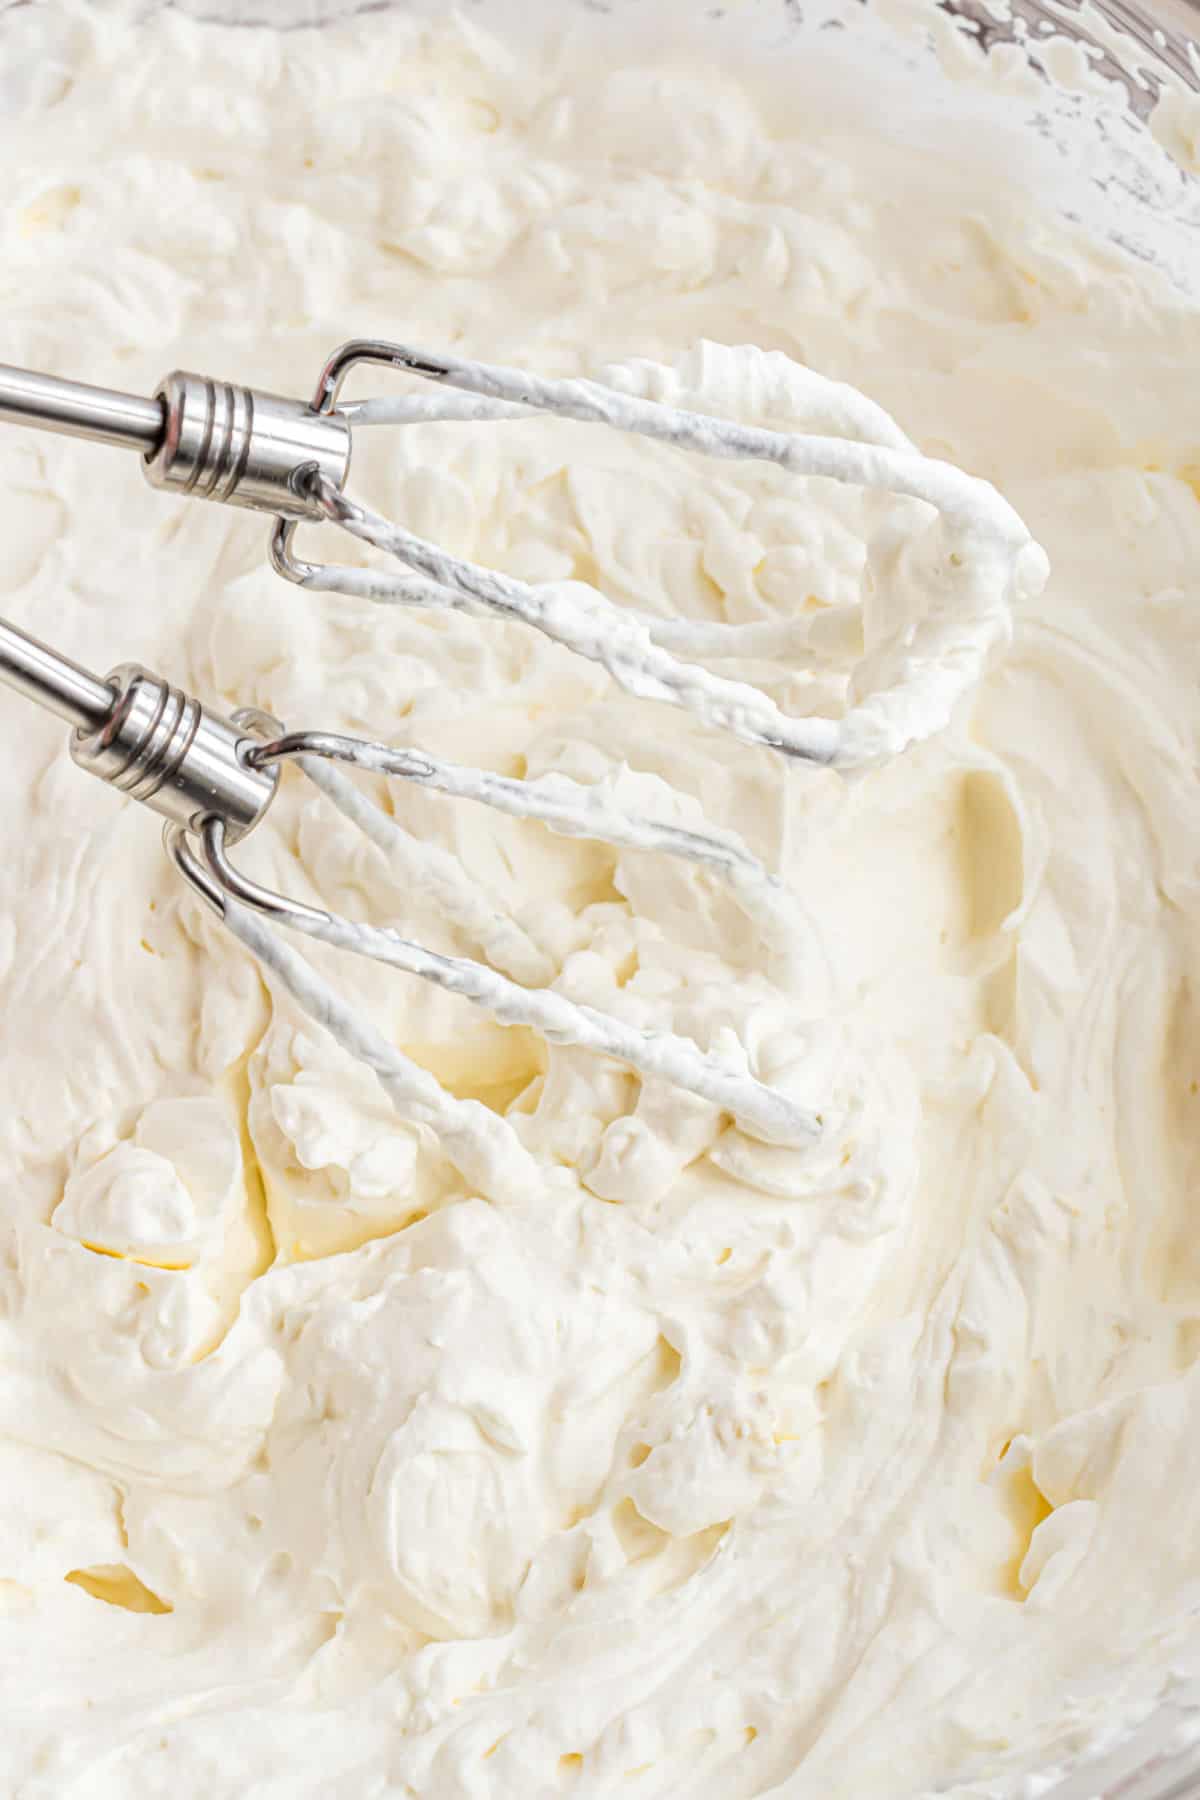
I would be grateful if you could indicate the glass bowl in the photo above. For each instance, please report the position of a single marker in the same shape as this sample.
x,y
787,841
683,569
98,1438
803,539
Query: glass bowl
x,y
1127,74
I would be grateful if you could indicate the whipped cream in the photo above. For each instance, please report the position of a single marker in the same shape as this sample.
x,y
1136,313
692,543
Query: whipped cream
x,y
466,1416
932,660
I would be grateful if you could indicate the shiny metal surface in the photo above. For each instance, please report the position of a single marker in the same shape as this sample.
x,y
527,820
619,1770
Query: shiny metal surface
x,y
162,747
74,409
149,739
34,670
246,447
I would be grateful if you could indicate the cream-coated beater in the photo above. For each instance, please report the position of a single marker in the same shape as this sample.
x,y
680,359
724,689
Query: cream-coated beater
x,y
212,777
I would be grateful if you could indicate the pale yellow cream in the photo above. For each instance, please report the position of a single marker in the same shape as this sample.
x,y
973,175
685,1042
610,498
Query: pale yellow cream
x,y
695,1467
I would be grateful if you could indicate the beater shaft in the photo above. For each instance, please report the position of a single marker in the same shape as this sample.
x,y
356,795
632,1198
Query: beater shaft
x,y
75,409
53,681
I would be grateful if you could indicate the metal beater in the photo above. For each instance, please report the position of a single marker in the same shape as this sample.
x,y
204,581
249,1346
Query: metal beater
x,y
212,778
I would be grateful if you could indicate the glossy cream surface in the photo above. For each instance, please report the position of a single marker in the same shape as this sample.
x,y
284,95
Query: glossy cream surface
x,y
559,1437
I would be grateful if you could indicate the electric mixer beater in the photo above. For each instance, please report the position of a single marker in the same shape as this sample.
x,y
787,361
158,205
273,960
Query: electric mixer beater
x,y
212,778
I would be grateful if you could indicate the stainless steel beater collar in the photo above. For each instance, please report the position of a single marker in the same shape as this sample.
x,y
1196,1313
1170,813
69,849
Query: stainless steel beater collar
x,y
162,747
147,738
246,447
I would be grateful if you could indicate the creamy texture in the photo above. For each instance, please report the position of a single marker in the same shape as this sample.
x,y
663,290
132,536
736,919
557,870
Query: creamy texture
x,y
929,653
945,618
345,1455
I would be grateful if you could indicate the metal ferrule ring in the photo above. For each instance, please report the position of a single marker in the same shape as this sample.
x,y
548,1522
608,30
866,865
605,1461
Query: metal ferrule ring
x,y
163,748
245,447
